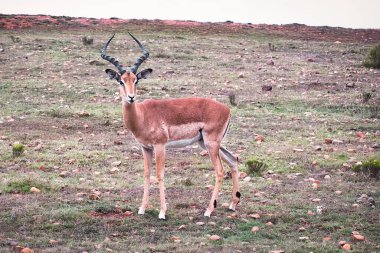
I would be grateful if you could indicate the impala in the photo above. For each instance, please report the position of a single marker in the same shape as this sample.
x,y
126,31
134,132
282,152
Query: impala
x,y
172,123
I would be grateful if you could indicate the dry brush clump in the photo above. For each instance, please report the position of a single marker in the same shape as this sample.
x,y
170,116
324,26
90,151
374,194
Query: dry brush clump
x,y
373,58
87,40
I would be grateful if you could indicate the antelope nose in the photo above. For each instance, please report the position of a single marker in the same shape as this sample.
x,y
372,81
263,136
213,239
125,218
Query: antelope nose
x,y
130,99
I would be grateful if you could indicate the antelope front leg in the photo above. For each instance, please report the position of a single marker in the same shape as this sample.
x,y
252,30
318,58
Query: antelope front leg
x,y
219,173
148,155
160,167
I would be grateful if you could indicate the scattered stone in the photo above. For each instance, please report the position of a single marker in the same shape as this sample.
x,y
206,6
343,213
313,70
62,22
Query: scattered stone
x,y
298,150
328,141
200,223
301,229
269,224
327,177
247,179
304,238
338,192
214,237
358,237
182,227
64,174
346,247
255,216
266,88
270,62
316,200
83,114
326,239
26,250
114,170
203,153
35,190
259,138
242,174
255,229
241,75
318,148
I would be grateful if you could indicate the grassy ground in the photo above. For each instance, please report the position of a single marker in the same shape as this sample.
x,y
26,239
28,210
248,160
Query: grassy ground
x,y
89,169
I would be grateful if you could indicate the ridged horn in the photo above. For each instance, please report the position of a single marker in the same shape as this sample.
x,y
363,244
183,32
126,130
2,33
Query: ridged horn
x,y
117,64
142,58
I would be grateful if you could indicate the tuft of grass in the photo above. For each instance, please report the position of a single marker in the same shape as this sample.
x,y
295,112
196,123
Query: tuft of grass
x,y
369,168
17,149
86,40
255,167
373,58
24,185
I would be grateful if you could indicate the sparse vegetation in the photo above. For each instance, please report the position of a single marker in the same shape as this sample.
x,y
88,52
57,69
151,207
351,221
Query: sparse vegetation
x,y
87,171
373,58
369,168
17,149
87,40
255,167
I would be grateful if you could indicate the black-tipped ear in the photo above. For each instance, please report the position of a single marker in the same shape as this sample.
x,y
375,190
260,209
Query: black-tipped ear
x,y
112,74
144,74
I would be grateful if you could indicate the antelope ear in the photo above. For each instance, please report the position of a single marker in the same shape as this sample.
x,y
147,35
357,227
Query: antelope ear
x,y
144,74
112,74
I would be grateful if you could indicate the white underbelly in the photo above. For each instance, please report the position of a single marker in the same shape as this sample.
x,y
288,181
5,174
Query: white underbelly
x,y
183,142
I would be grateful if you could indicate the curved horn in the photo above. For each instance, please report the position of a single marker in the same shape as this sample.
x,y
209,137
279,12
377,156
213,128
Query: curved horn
x,y
142,58
103,54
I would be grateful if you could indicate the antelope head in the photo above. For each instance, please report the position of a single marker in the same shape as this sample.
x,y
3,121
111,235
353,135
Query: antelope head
x,y
127,79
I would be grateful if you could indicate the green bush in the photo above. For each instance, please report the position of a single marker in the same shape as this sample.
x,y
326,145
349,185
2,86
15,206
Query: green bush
x,y
17,149
373,58
369,168
255,167
24,185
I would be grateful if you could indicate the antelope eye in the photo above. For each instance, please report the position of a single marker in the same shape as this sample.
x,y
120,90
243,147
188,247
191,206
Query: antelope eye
x,y
121,83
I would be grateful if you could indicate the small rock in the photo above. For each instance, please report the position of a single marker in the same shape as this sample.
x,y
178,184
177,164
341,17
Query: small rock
x,y
64,174
114,170
316,200
26,250
35,190
255,229
247,179
214,237
328,141
338,192
266,88
270,62
327,177
200,223
182,227
269,224
360,134
259,138
241,75
358,237
326,239
204,153
303,238
255,216
346,247
302,229
318,148
242,174
298,150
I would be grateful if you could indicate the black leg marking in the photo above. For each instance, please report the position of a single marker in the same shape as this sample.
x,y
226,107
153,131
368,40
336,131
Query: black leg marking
x,y
238,194
215,203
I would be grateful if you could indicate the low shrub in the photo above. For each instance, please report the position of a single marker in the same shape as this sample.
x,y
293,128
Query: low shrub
x,y
373,58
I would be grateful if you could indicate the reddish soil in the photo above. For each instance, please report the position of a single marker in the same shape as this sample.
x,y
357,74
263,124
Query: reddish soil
x,y
297,31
